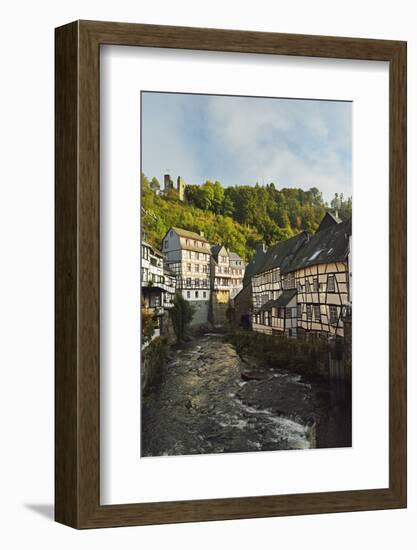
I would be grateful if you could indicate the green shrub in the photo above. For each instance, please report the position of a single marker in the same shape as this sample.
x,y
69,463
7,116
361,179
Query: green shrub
x,y
154,358
181,315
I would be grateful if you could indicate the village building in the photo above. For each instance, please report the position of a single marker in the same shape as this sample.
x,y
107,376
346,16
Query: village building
x,y
302,285
158,285
187,255
220,279
237,270
208,276
320,274
274,308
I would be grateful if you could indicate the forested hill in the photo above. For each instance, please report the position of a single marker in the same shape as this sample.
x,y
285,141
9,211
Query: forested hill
x,y
236,216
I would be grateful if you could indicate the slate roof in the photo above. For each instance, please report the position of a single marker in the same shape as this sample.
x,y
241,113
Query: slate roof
x,y
215,249
154,250
285,298
267,306
189,234
325,246
278,255
234,257
254,266
328,221
281,254
282,301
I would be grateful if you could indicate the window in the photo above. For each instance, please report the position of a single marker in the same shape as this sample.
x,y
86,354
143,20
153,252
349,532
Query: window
x,y
188,282
196,293
288,312
331,283
188,294
333,315
309,312
317,314
188,267
204,294
299,311
315,284
171,233
197,283
308,286
197,268
281,312
165,244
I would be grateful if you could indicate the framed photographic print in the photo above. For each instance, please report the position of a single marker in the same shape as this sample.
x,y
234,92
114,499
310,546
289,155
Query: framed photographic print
x,y
230,274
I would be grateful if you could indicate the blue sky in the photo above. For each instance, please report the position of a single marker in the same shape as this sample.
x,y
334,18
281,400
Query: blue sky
x,y
241,141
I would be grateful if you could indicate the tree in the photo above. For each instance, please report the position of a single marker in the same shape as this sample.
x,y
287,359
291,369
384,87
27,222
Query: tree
x,y
181,315
155,185
149,324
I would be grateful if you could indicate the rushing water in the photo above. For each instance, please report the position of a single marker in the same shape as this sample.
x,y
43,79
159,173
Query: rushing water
x,y
210,401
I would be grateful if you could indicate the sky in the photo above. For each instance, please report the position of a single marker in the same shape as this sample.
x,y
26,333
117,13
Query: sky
x,y
244,140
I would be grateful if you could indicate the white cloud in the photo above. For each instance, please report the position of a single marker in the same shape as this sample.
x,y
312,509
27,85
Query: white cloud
x,y
295,143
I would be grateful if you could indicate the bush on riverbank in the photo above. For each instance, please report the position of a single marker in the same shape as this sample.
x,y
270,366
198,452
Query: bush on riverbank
x,y
154,358
302,356
181,315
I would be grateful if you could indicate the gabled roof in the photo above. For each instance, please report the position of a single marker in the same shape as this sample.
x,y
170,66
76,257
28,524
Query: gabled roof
x,y
234,257
154,250
216,249
328,221
188,234
325,246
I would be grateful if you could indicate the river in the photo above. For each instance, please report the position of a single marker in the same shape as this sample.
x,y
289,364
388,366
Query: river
x,y
212,401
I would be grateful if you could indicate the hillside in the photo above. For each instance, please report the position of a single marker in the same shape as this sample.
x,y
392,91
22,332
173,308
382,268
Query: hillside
x,y
236,216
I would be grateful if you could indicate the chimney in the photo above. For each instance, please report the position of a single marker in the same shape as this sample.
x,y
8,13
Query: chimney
x,y
260,247
201,233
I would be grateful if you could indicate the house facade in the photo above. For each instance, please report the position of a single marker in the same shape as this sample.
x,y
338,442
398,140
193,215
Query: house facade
x,y
302,285
158,285
208,276
237,270
274,308
187,256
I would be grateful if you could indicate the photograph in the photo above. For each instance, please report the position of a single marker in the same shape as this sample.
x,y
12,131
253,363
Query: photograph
x,y
246,278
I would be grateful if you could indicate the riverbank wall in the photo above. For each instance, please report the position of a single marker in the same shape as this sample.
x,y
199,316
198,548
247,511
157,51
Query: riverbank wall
x,y
312,357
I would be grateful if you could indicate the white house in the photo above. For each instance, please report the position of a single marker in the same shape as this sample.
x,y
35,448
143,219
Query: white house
x,y
302,285
187,255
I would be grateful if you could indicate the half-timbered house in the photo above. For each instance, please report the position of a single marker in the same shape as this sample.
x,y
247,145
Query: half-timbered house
x,y
158,285
320,275
273,309
302,285
187,254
